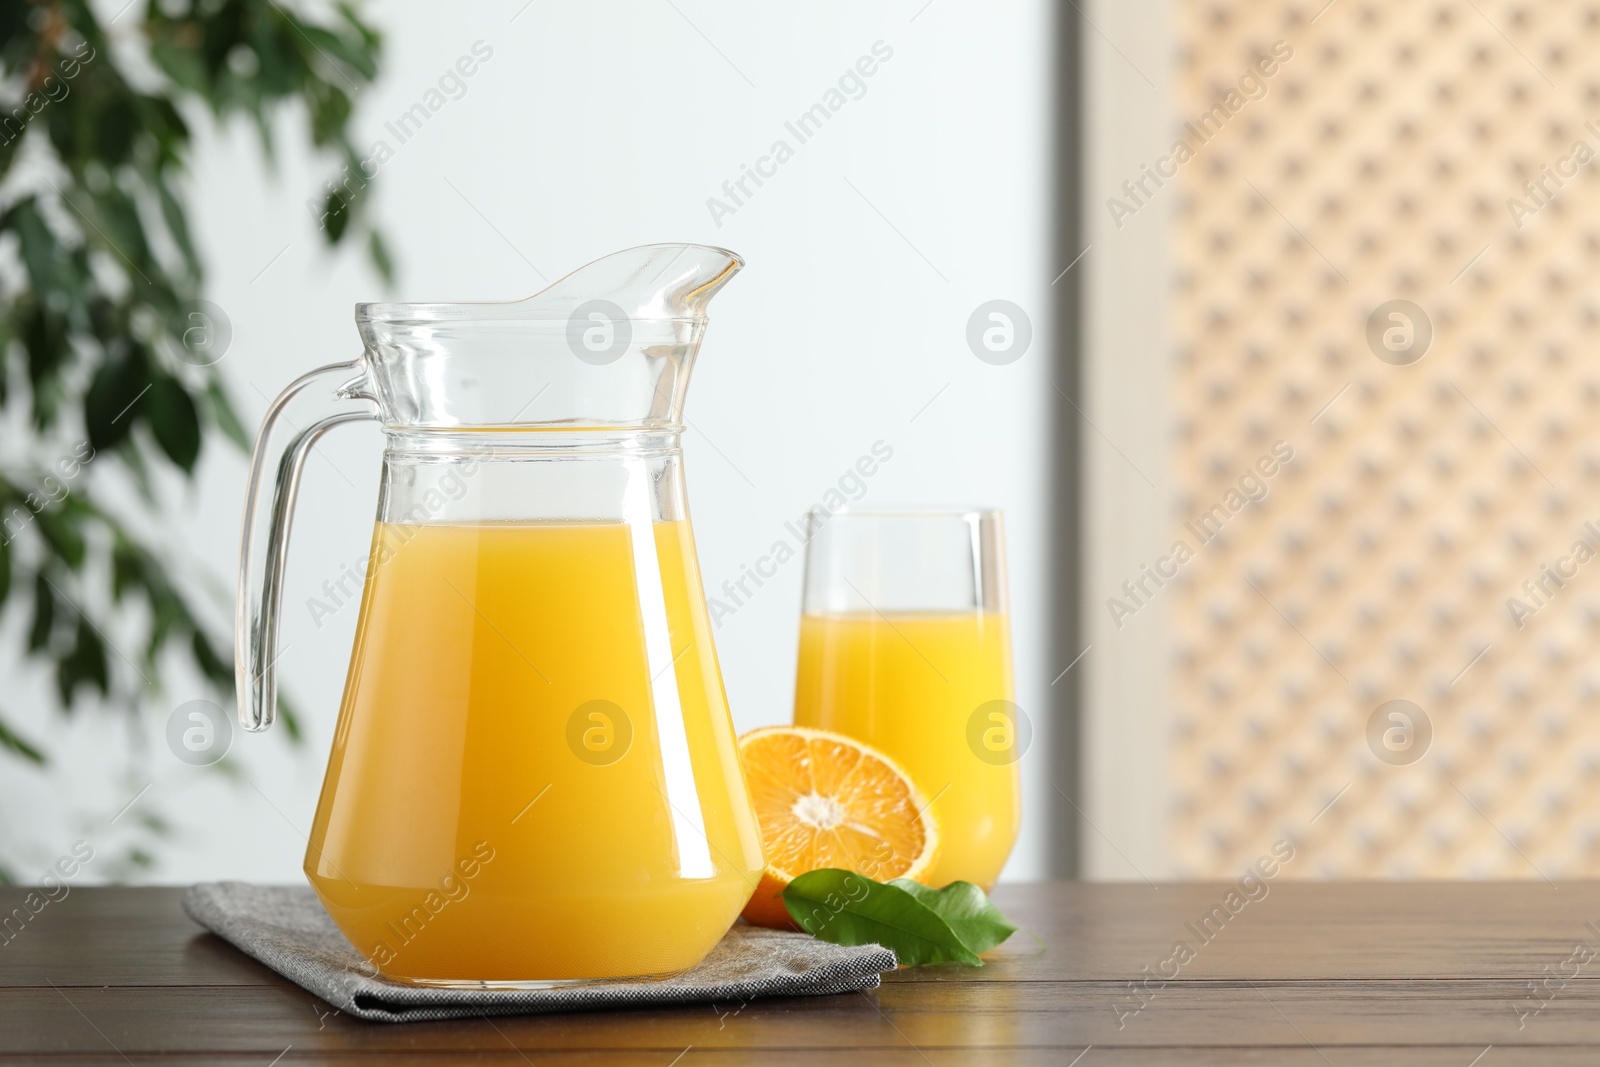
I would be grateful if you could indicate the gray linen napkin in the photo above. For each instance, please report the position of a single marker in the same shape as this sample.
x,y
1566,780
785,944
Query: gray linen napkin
x,y
286,928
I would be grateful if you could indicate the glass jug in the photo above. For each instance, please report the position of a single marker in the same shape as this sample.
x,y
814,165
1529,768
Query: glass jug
x,y
534,776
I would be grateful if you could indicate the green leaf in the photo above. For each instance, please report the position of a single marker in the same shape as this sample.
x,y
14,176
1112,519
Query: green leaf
x,y
9,143
7,334
44,337
41,253
177,224
181,65
117,397
175,421
968,910
290,718
84,665
139,475
121,228
62,536
127,570
851,909
380,257
114,132
154,822
218,671
336,216
11,741
44,614
330,113
226,417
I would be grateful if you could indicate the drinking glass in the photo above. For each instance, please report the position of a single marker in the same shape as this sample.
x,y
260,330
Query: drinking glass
x,y
905,644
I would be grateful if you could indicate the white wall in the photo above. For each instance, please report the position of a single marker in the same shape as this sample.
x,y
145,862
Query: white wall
x,y
593,128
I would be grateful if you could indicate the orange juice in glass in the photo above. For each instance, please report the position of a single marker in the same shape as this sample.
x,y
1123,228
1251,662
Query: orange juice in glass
x,y
905,644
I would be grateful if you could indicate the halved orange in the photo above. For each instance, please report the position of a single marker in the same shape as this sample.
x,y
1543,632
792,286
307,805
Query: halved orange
x,y
826,800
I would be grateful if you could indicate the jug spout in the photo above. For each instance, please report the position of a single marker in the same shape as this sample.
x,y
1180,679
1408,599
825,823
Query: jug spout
x,y
609,345
648,283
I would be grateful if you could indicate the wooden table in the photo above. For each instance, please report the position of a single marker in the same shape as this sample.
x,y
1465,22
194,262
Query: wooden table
x,y
1454,974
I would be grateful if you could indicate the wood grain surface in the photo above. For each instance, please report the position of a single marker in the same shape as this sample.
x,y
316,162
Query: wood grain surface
x,y
1458,974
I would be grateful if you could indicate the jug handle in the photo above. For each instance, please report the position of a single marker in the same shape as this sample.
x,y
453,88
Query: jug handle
x,y
311,406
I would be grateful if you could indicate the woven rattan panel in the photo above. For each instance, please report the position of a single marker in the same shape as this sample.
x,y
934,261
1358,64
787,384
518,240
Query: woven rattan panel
x,y
1400,553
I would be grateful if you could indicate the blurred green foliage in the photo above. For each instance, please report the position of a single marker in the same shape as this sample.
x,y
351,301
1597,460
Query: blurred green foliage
x,y
108,368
